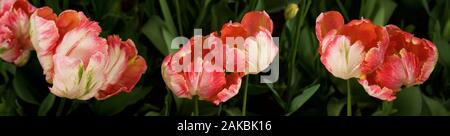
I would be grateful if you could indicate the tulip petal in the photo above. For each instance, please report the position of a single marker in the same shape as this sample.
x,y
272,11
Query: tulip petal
x,y
73,81
233,30
82,42
230,90
341,58
207,83
327,21
175,81
384,93
44,37
261,51
255,21
64,82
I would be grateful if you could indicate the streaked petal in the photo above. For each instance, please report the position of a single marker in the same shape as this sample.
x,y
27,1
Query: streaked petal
x,y
175,81
261,52
328,21
209,83
233,30
44,37
254,21
230,90
376,91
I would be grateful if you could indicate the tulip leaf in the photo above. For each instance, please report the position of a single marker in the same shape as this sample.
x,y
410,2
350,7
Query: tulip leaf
x,y
386,8
299,100
167,16
274,6
168,37
408,102
434,107
277,96
23,89
152,113
221,13
426,6
152,30
233,111
118,103
46,105
378,10
335,106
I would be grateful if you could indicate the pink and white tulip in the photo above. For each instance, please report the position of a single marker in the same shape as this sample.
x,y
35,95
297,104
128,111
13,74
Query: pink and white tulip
x,y
15,45
78,62
350,50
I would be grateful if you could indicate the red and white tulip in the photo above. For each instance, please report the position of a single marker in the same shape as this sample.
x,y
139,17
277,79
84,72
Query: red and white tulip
x,y
408,61
256,49
198,76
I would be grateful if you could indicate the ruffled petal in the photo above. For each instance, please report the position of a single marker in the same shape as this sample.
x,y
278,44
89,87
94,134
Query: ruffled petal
x,y
254,21
327,21
230,90
44,37
341,58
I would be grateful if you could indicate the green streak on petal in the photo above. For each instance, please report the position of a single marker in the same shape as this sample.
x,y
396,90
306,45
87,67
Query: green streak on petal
x,y
80,73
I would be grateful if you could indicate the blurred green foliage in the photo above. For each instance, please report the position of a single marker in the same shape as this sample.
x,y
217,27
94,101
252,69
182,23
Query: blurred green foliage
x,y
305,87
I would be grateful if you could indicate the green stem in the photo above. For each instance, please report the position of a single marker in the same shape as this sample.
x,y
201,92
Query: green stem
x,y
167,102
180,27
62,102
220,110
244,103
349,99
196,112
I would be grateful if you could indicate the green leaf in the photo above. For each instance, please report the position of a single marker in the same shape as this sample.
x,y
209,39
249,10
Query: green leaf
x,y
335,106
277,96
118,103
434,107
379,11
408,102
221,13
152,30
259,5
184,107
273,6
446,32
54,4
46,105
168,39
233,111
299,100
167,16
385,10
152,113
425,5
23,89
387,109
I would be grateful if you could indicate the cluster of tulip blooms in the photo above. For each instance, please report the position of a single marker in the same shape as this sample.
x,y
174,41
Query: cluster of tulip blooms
x,y
80,64
383,59
76,60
